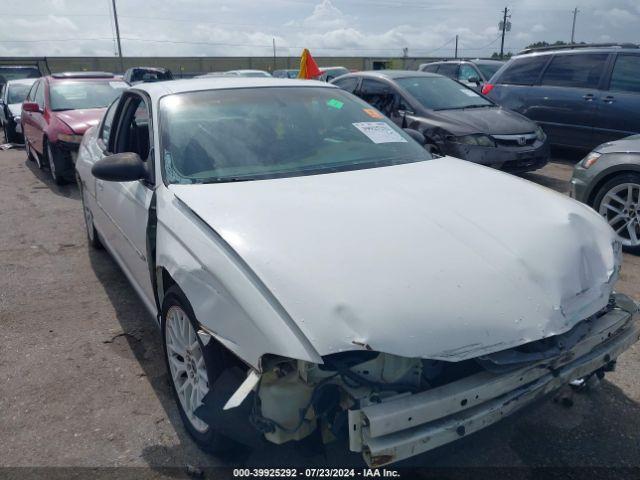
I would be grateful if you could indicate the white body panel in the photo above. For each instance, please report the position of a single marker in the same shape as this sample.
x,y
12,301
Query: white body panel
x,y
433,259
439,259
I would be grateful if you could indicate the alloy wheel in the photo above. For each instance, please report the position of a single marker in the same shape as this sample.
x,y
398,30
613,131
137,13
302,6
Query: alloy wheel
x,y
186,364
620,206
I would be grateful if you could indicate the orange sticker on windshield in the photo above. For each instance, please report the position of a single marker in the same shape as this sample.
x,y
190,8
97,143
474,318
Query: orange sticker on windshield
x,y
372,113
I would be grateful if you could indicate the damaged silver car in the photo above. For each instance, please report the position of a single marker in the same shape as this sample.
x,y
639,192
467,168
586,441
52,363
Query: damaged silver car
x,y
312,268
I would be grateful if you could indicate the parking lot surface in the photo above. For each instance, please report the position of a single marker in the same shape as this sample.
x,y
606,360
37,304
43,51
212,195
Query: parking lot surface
x,y
83,381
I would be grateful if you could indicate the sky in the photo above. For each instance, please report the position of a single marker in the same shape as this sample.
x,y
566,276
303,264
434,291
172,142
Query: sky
x,y
326,27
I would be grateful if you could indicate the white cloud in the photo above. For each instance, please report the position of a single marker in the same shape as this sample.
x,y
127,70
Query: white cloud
x,y
538,28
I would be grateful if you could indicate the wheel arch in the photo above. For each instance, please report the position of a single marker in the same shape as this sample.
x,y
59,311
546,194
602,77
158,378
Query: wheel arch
x,y
606,176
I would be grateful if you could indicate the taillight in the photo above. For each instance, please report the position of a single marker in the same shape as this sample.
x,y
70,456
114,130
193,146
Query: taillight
x,y
487,88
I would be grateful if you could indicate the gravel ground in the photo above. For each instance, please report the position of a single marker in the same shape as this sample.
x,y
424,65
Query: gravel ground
x,y
83,383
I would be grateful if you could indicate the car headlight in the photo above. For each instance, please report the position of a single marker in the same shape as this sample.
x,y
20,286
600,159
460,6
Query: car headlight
x,y
590,159
70,138
540,133
480,140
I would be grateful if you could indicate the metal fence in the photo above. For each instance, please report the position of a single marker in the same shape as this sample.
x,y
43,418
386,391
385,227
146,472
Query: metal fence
x,y
189,66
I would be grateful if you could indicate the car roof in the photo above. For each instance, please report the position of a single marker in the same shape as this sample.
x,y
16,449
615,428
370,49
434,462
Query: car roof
x,y
392,74
105,76
573,51
159,89
153,69
247,71
477,60
22,81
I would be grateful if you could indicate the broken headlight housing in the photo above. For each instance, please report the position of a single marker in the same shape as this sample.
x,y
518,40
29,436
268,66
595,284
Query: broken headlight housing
x,y
479,140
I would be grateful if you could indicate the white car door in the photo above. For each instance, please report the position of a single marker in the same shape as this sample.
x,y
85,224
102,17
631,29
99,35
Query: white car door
x,y
124,206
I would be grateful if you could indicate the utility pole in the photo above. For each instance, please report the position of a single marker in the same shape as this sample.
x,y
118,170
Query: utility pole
x,y
456,47
274,53
573,27
504,26
115,18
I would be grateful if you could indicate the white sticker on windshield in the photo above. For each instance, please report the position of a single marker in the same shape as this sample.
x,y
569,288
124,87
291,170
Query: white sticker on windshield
x,y
468,93
379,132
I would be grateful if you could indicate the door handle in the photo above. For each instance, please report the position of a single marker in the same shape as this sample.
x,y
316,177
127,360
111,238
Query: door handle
x,y
608,99
589,97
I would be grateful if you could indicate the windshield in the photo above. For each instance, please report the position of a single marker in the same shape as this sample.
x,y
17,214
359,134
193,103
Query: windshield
x,y
488,69
81,95
16,73
257,133
17,93
441,93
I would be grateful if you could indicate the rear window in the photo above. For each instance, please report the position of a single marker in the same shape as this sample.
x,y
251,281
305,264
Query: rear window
x,y
523,71
577,70
626,74
448,69
17,93
15,73
430,68
488,69
349,84
81,95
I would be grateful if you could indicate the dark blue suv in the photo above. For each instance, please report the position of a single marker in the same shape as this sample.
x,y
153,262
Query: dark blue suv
x,y
581,95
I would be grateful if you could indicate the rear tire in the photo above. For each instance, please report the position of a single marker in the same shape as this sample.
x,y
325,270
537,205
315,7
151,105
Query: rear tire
x,y
192,367
618,201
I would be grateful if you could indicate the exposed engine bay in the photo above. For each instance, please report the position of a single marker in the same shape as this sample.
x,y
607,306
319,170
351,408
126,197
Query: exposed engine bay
x,y
292,398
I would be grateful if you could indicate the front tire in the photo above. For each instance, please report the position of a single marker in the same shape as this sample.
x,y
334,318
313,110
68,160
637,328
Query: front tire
x,y
192,367
92,234
10,134
618,201
54,161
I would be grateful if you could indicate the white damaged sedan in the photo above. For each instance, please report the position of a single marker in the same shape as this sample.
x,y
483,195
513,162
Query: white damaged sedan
x,y
311,266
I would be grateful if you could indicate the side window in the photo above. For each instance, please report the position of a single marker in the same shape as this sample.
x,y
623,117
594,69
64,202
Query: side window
x,y
105,133
431,68
349,84
467,72
448,70
40,95
523,71
377,94
133,128
576,70
626,74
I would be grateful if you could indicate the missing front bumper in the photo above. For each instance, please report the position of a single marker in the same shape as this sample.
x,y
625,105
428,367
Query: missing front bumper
x,y
406,425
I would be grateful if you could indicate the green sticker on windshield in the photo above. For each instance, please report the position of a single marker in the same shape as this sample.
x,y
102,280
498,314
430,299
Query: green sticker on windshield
x,y
335,103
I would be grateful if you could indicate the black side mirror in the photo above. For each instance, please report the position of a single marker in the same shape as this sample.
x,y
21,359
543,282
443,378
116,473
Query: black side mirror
x,y
120,167
475,80
416,135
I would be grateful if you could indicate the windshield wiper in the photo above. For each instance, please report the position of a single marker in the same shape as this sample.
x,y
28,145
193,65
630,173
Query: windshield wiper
x,y
223,180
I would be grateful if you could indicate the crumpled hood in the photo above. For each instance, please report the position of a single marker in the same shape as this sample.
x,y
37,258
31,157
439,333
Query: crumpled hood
x,y
440,259
80,120
625,145
492,121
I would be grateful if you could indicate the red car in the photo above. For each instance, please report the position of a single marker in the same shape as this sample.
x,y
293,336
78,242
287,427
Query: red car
x,y
58,110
